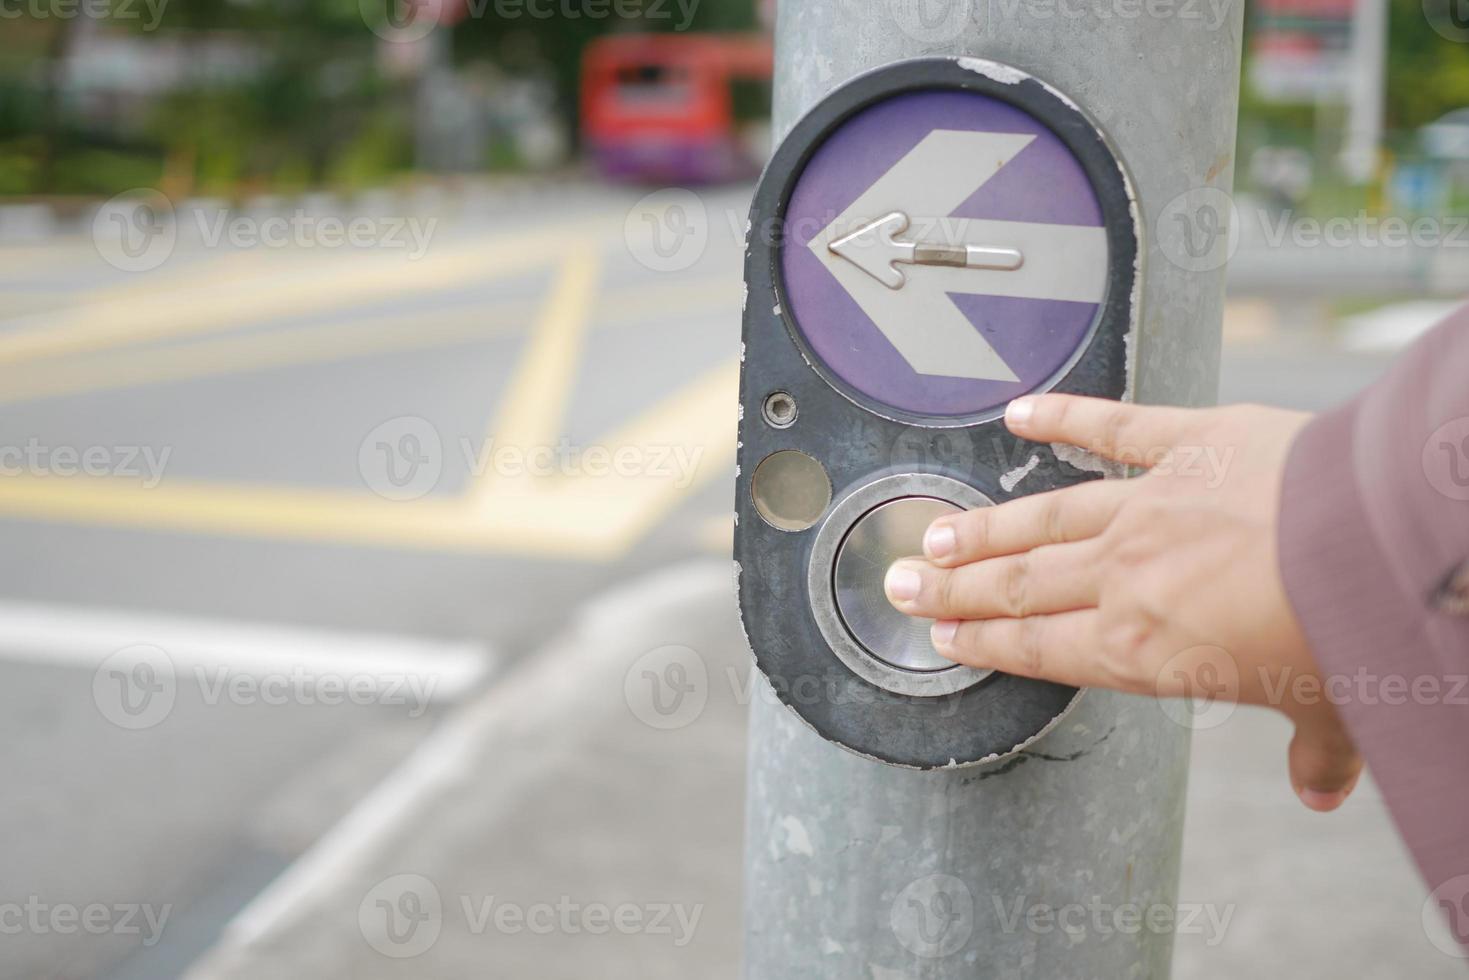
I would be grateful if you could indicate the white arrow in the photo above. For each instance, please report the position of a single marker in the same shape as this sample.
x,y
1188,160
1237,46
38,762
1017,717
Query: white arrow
x,y
876,250
912,307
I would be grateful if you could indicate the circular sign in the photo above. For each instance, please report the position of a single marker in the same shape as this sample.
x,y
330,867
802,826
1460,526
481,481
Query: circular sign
x,y
952,240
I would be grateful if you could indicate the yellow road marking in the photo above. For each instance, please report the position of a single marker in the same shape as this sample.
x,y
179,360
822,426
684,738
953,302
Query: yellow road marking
x,y
230,355
698,421
534,402
199,304
675,447
584,517
323,343
716,534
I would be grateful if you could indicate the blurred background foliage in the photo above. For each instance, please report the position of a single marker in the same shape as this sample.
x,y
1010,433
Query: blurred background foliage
x,y
274,96
247,96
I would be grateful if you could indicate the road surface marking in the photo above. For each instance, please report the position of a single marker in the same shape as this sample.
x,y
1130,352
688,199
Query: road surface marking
x,y
84,637
716,534
553,687
288,286
360,336
256,352
586,518
533,404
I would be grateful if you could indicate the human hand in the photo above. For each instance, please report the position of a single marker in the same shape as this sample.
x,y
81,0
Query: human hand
x,y
1148,585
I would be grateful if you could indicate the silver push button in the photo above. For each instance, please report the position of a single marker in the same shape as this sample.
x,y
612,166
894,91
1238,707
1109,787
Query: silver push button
x,y
880,537
862,535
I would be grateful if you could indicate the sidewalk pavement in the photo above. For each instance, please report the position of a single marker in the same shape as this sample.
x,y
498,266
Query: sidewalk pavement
x,y
584,820
547,831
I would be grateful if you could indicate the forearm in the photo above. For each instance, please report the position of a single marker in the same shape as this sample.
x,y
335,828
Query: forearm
x,y
1374,548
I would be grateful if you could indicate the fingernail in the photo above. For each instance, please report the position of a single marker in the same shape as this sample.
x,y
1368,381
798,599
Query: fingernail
x,y
942,633
939,541
1019,411
902,584
1321,801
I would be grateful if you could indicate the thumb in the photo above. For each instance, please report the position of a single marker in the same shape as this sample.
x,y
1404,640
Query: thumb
x,y
1324,764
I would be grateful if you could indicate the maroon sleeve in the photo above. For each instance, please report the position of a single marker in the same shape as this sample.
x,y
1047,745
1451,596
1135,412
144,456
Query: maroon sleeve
x,y
1374,551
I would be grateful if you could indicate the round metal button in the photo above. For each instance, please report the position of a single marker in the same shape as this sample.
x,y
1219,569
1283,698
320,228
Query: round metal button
x,y
859,539
880,537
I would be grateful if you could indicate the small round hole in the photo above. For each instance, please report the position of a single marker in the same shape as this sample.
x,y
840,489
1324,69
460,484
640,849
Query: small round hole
x,y
791,490
779,409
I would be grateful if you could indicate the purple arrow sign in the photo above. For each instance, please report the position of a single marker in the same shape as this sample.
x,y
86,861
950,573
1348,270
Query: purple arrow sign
x,y
944,253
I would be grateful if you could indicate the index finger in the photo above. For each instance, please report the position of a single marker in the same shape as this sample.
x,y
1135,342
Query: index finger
x,y
1116,430
1071,513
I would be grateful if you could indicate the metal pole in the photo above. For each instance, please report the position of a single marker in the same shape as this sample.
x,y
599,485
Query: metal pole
x,y
1063,861
1365,87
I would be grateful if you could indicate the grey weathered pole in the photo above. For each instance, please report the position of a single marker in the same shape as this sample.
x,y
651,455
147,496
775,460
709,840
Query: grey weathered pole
x,y
1063,861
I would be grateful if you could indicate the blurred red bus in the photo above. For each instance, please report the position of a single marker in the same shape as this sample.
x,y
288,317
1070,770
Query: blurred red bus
x,y
685,107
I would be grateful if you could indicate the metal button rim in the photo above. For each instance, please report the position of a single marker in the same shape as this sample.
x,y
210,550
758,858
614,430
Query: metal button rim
x,y
852,613
820,585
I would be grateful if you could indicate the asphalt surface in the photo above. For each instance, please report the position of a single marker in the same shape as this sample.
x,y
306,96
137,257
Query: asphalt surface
x,y
307,437
334,441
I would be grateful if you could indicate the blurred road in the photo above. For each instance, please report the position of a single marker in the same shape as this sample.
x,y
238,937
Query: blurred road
x,y
415,467
406,472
